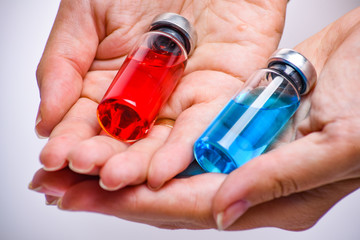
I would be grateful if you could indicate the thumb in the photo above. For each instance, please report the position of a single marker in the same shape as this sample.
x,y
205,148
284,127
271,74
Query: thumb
x,y
68,54
307,163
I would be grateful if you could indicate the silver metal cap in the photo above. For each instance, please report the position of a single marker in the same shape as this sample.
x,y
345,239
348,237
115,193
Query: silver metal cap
x,y
179,23
300,63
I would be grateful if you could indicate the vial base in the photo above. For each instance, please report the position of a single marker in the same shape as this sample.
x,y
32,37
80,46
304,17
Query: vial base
x,y
121,121
242,132
213,157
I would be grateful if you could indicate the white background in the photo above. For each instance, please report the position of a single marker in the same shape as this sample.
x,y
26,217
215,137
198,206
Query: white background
x,y
25,25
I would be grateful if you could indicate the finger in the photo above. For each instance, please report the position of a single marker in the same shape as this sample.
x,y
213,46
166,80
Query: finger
x,y
193,111
177,152
329,155
96,83
55,184
67,57
79,124
284,171
131,166
228,26
296,212
182,203
89,155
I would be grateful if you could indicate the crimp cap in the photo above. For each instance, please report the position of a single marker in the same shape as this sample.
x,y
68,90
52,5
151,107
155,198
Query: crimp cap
x,y
300,63
178,23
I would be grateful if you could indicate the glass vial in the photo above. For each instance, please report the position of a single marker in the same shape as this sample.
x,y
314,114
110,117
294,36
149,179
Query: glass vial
x,y
253,118
147,77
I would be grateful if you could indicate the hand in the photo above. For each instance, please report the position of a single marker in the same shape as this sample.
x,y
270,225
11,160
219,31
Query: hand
x,y
326,155
169,207
88,42
184,203
330,176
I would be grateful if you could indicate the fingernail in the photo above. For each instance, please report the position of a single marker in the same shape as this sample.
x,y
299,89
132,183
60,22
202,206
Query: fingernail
x,y
105,187
219,221
59,203
39,135
226,218
154,184
53,169
38,120
34,188
38,117
78,170
154,188
53,192
51,200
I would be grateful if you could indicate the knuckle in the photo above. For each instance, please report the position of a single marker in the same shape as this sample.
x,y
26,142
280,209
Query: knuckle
x,y
283,187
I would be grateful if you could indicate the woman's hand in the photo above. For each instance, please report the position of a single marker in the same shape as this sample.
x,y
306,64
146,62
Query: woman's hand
x,y
290,187
184,203
89,41
326,154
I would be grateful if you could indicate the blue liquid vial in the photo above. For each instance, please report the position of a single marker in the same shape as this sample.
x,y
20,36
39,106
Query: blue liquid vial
x,y
255,116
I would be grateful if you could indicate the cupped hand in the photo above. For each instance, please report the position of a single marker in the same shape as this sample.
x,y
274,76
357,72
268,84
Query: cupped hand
x,y
183,203
290,187
88,42
326,153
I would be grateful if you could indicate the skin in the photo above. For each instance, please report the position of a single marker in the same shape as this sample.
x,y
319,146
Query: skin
x,y
87,44
271,190
184,203
327,149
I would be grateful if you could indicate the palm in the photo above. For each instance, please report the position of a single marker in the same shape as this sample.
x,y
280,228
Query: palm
x,y
189,203
230,47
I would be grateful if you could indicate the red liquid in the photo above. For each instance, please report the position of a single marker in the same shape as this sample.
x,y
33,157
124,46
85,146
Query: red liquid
x,y
138,91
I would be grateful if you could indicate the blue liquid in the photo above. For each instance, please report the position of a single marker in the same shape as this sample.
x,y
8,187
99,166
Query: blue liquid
x,y
240,132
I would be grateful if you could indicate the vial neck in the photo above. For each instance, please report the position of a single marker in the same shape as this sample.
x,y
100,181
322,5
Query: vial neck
x,y
293,75
177,35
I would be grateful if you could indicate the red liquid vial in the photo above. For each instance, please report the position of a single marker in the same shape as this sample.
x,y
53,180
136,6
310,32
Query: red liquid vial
x,y
146,80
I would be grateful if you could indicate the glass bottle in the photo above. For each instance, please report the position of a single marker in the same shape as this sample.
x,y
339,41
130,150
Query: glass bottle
x,y
147,77
253,118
